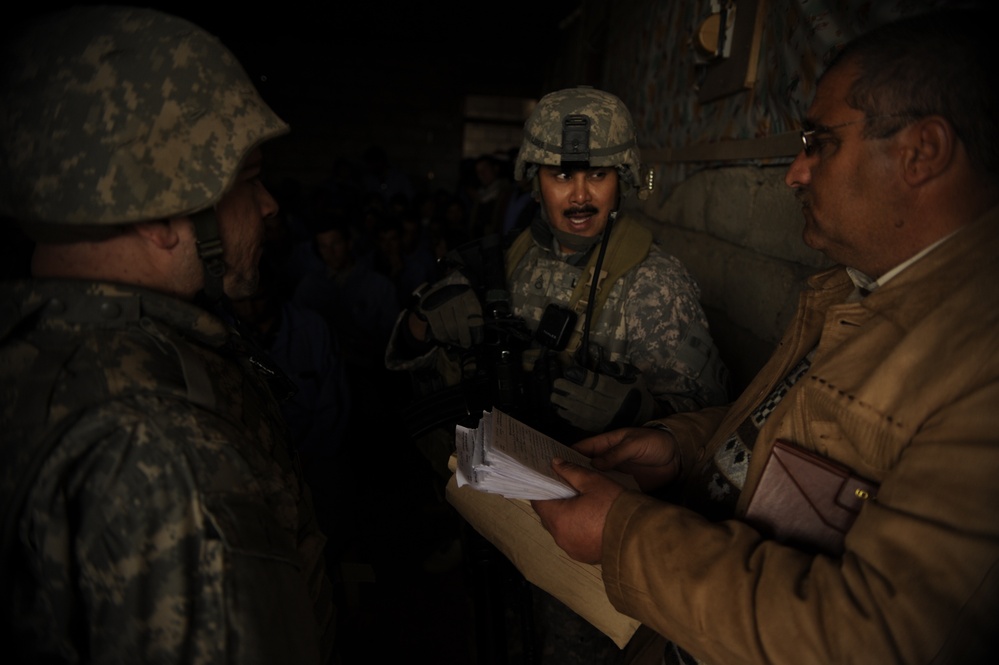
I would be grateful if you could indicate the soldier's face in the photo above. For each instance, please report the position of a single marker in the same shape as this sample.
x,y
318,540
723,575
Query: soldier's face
x,y
241,214
579,202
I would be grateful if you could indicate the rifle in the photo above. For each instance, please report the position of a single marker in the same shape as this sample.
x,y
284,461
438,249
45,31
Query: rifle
x,y
491,371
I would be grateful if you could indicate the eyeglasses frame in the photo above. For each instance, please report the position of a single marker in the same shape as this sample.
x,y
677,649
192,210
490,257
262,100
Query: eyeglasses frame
x,y
807,142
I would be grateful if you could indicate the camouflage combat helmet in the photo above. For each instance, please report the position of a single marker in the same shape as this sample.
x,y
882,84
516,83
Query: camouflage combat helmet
x,y
581,127
114,115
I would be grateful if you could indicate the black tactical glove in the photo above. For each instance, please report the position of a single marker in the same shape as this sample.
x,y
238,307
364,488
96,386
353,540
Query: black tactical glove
x,y
453,314
613,397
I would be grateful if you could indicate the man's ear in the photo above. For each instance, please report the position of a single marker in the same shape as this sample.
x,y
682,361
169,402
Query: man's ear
x,y
163,234
928,149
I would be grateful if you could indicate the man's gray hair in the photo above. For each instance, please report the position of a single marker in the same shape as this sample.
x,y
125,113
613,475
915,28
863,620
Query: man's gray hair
x,y
938,63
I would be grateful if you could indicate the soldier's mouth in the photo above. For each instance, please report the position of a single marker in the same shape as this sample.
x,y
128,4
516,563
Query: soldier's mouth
x,y
580,216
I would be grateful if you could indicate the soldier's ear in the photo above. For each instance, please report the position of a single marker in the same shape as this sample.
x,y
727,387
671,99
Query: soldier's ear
x,y
164,233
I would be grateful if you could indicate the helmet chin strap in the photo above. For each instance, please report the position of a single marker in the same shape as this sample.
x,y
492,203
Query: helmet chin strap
x,y
206,232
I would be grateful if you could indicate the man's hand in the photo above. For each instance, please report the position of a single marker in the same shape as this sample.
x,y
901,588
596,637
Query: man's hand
x,y
577,524
648,454
615,396
453,314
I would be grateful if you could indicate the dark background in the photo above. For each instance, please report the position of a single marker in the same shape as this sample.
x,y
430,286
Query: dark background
x,y
388,74
500,48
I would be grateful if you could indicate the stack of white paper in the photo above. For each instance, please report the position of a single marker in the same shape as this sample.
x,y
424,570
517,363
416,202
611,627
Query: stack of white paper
x,y
504,456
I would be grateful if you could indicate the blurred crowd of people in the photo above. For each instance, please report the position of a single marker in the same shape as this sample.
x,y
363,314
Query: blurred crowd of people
x,y
346,255
341,260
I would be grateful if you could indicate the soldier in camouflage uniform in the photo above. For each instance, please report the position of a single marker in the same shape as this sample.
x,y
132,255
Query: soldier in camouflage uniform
x,y
153,510
648,350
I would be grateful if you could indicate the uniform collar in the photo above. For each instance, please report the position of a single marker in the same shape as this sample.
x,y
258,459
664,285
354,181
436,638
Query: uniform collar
x,y
104,304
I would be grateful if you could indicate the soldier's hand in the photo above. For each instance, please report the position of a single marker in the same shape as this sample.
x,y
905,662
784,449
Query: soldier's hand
x,y
616,396
453,314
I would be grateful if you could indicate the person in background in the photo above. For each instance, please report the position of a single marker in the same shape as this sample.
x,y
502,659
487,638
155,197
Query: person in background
x,y
299,340
492,196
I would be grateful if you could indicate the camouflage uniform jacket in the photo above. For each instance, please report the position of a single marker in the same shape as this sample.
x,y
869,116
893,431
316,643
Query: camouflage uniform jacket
x,y
652,318
164,520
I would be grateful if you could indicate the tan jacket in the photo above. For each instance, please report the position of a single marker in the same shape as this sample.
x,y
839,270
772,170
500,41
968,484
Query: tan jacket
x,y
904,389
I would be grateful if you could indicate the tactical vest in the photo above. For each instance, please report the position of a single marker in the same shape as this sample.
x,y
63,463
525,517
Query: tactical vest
x,y
629,247
48,356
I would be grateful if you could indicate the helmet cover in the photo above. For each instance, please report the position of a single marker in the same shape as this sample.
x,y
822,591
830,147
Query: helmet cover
x,y
582,127
114,115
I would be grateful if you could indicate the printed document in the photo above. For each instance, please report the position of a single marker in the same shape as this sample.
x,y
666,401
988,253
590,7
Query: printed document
x,y
504,456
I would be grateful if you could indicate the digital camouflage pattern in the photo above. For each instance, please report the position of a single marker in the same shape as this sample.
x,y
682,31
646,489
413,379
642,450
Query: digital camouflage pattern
x,y
168,521
652,319
144,116
612,140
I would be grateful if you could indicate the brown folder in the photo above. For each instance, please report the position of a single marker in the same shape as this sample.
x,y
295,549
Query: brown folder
x,y
807,500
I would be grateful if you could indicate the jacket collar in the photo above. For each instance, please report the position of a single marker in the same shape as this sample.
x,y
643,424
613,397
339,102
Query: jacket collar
x,y
923,285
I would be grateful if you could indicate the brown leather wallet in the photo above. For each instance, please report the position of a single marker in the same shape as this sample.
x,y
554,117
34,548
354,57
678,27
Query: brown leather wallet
x,y
807,500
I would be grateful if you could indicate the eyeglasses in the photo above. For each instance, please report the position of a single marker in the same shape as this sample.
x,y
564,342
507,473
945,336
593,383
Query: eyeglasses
x,y
810,143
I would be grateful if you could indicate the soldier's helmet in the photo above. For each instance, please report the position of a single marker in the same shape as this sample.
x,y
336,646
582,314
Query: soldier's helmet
x,y
113,115
581,127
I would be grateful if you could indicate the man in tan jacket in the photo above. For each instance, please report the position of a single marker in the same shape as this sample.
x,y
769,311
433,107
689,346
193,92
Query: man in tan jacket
x,y
889,372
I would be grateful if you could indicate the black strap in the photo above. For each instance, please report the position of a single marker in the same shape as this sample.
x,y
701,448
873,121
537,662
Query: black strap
x,y
206,230
584,346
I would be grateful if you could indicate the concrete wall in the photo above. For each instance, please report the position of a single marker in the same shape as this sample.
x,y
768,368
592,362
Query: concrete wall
x,y
733,222
738,230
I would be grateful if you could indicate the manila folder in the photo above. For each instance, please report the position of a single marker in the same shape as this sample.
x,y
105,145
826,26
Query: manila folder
x,y
513,527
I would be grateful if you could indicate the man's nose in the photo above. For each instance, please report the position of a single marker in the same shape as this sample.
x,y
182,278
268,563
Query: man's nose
x,y
268,204
580,192
799,173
